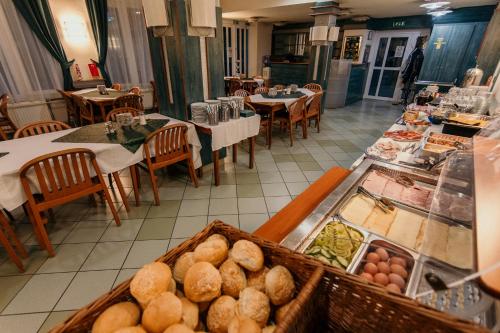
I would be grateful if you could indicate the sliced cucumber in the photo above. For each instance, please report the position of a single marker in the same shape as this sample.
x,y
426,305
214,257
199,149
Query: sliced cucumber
x,y
323,259
326,253
343,261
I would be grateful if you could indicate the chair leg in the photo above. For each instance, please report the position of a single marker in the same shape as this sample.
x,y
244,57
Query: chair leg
x,y
304,128
10,251
111,204
154,185
121,190
135,184
10,233
290,128
192,172
44,237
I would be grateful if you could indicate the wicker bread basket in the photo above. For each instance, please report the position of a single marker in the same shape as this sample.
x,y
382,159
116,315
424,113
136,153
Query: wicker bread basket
x,y
303,315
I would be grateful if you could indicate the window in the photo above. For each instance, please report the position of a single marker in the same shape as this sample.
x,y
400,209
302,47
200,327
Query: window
x,y
129,60
27,70
235,58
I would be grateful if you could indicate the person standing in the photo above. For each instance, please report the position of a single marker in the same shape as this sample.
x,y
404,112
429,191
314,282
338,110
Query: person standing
x,y
412,69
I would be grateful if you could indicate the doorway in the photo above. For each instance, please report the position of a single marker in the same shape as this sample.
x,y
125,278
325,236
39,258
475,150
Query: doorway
x,y
389,53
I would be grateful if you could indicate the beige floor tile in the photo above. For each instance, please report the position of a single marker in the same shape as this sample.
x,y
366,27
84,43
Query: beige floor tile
x,y
124,274
250,222
167,208
135,212
274,190
108,255
201,192
36,257
248,190
223,206
249,178
157,228
174,242
68,258
223,191
275,204
126,231
10,286
309,166
297,188
288,166
194,207
251,206
86,232
143,252
293,176
25,323
227,219
54,319
188,226
270,177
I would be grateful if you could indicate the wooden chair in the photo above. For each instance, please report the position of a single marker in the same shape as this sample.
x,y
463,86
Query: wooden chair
x,y
116,86
6,232
62,177
7,126
156,107
84,110
279,87
135,91
241,93
314,87
169,146
295,115
234,84
313,109
261,90
265,121
40,127
129,100
112,115
73,118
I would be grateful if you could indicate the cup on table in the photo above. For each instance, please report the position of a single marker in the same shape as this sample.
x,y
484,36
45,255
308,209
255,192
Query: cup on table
x,y
101,88
272,92
294,87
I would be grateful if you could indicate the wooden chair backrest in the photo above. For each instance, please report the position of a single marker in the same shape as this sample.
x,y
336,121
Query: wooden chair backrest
x,y
296,109
261,90
112,115
62,173
279,87
314,106
129,100
169,142
241,93
6,121
135,91
82,106
40,127
314,87
116,86
234,84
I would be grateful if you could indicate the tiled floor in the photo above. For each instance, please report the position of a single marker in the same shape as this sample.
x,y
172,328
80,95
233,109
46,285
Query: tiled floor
x,y
93,254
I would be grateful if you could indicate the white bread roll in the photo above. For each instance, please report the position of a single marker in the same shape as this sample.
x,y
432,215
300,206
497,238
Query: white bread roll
x,y
202,282
117,316
242,324
190,313
280,286
214,252
150,281
185,261
254,305
218,236
257,279
162,312
233,278
220,314
248,255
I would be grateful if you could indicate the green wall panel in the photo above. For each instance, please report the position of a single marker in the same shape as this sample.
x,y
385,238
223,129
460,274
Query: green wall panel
x,y
215,56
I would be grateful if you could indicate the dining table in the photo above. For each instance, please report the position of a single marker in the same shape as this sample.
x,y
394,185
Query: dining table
x,y
111,157
95,98
266,104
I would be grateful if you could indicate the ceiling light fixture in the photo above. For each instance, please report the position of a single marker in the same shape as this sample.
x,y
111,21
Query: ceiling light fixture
x,y
438,13
432,5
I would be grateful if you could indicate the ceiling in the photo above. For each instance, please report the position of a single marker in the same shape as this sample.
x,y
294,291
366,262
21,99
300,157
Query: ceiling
x,y
298,11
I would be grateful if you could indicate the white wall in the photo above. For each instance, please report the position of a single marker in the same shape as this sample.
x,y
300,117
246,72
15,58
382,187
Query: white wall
x,y
78,44
259,45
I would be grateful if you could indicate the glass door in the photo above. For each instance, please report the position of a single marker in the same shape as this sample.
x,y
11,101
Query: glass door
x,y
388,62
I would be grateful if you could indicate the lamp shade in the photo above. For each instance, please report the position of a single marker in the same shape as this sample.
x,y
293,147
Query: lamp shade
x,y
155,13
203,14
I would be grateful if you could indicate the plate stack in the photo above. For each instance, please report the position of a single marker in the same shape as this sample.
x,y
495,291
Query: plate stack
x,y
199,112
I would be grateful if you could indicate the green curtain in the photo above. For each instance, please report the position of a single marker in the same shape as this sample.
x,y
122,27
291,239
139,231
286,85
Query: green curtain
x,y
158,63
98,13
39,18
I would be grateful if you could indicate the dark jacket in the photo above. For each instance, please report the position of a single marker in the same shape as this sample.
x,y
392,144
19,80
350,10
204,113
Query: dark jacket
x,y
413,65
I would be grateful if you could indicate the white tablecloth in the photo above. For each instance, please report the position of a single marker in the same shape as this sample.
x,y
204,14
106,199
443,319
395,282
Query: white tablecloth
x,y
287,101
110,157
228,133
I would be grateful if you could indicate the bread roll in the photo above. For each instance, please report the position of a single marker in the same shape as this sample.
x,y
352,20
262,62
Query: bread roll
x,y
178,328
117,316
162,312
247,255
218,236
172,287
269,329
254,305
280,286
242,324
131,329
257,279
281,312
182,264
202,282
150,281
214,252
190,313
220,314
233,278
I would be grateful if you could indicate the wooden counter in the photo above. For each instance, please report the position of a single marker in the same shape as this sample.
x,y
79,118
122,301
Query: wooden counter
x,y
287,219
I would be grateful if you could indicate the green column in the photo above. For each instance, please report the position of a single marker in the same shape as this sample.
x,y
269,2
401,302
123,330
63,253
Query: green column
x,y
325,14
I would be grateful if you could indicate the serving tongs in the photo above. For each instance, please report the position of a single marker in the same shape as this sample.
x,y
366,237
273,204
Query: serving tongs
x,y
383,203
